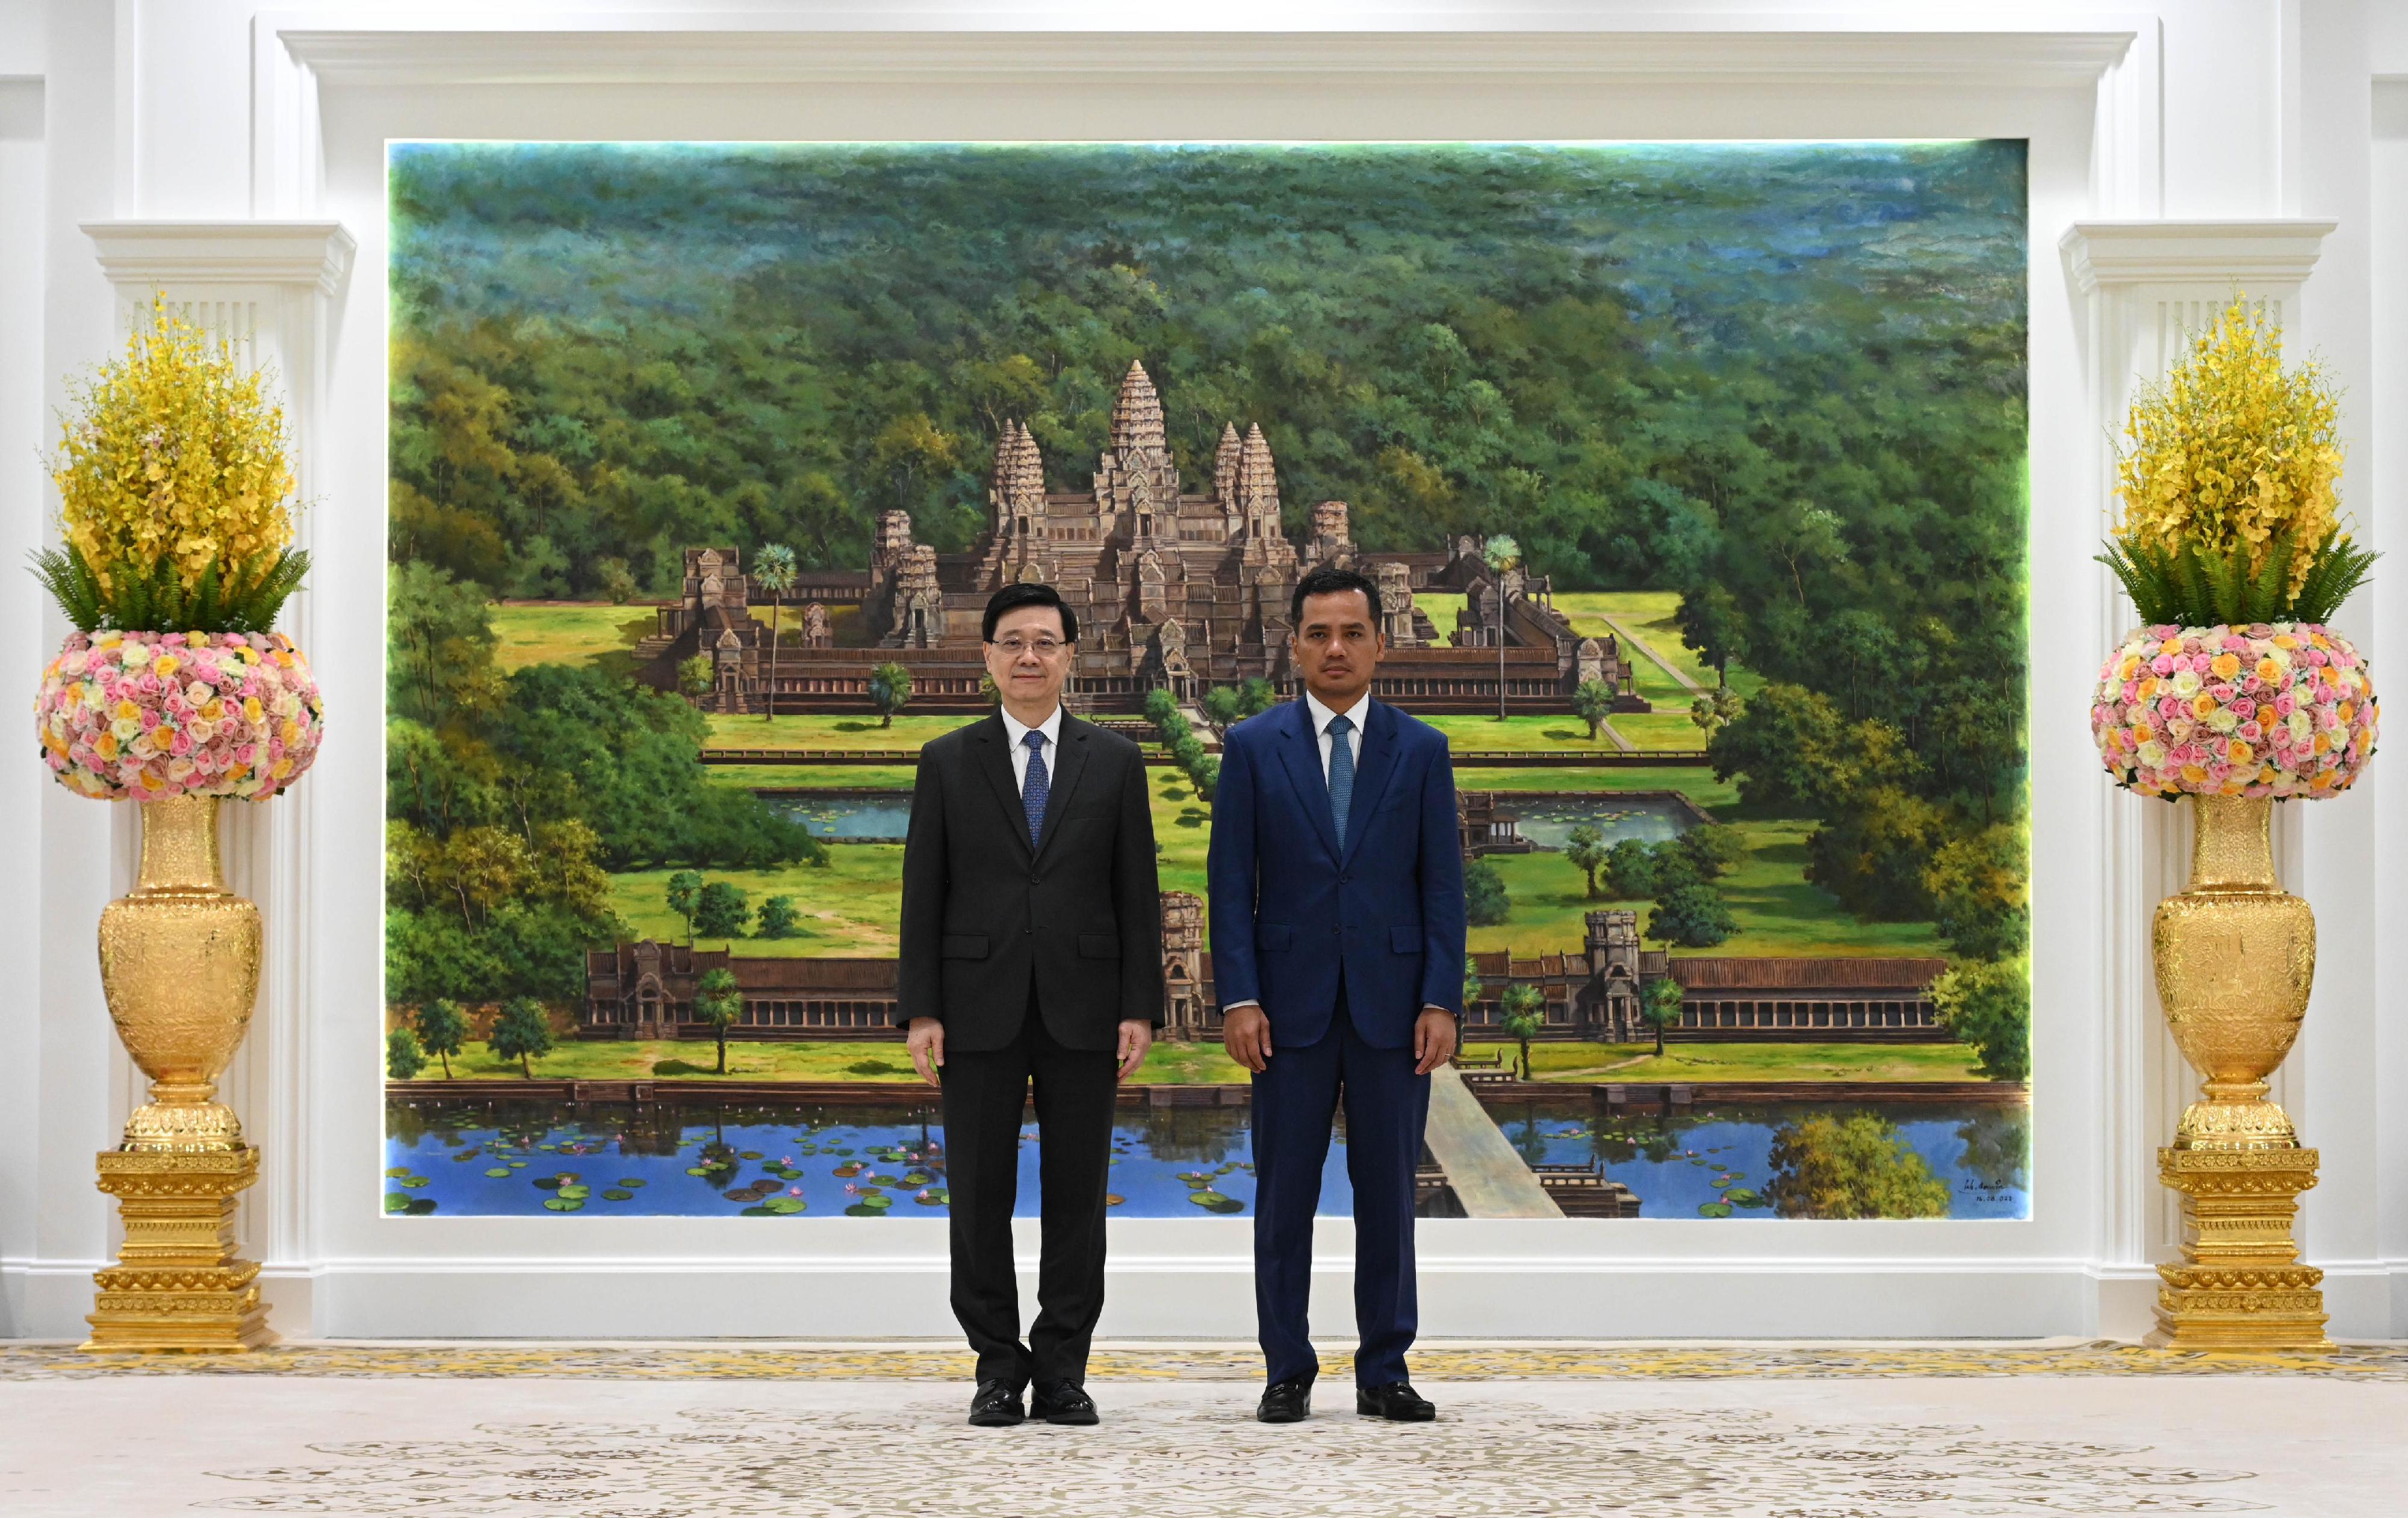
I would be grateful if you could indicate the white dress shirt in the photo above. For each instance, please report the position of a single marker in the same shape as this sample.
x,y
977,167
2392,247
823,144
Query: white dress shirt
x,y
1322,716
1051,727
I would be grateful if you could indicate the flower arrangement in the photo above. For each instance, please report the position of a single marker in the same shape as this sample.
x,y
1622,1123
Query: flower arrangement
x,y
2269,710
175,495
148,716
2230,511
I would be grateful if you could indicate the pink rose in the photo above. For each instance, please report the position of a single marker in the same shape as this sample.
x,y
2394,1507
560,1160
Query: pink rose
x,y
2320,658
2234,644
2162,664
2222,693
2243,707
2170,706
2286,704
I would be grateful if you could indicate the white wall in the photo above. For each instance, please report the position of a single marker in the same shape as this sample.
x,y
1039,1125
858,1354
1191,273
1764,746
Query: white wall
x,y
194,108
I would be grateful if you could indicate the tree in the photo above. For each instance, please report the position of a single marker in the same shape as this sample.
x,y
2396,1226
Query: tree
x,y
773,570
403,1058
1501,553
1525,1010
1258,696
1988,1006
695,677
1473,987
720,912
1660,1009
684,893
1713,627
1693,916
1715,709
1852,1165
1592,703
1981,891
521,1033
1485,901
1586,851
778,918
717,1003
442,1030
1713,850
617,580
890,691
1630,871
1223,706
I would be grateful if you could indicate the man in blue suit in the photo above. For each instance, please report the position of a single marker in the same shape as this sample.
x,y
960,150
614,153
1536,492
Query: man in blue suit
x,y
1337,882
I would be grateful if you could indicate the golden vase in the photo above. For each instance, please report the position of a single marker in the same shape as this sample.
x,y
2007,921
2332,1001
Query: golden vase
x,y
179,963
2235,957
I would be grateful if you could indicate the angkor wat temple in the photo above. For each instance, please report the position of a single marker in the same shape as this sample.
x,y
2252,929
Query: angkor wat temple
x,y
1174,590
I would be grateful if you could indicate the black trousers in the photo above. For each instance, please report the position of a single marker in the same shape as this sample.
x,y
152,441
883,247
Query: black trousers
x,y
984,1093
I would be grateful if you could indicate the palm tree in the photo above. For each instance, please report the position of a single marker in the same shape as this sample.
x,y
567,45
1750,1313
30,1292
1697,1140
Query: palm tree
x,y
1500,554
773,570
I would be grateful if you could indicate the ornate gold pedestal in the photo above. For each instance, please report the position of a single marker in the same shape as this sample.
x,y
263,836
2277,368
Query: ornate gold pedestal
x,y
2235,957
179,963
177,1285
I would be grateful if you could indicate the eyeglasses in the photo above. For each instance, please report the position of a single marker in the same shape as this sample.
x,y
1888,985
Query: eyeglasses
x,y
1044,648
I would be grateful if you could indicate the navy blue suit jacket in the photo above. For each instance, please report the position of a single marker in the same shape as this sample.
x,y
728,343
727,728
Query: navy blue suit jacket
x,y
1289,907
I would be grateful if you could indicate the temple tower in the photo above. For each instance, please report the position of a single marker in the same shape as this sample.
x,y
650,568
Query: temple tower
x,y
1136,485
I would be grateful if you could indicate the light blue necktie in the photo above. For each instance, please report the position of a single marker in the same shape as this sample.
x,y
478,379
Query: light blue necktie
x,y
1342,774
1033,789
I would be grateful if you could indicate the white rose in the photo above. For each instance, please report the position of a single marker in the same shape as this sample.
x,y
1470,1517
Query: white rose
x,y
2300,726
2179,729
2186,683
2153,754
126,728
2222,721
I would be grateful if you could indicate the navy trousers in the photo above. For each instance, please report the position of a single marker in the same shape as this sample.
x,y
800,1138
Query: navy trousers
x,y
1387,1106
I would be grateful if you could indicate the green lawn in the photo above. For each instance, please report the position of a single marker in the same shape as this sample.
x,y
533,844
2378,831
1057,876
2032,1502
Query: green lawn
x,y
1441,607
1520,735
849,908
567,632
1594,1062
896,777
1666,727
1778,912
1650,613
575,1059
733,731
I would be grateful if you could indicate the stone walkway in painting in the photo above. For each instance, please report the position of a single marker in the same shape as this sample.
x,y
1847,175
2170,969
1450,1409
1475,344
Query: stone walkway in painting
x,y
1821,1447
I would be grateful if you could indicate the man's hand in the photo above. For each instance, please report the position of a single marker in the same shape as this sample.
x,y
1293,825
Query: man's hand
x,y
1136,1037
927,1042
1434,1038
1246,1034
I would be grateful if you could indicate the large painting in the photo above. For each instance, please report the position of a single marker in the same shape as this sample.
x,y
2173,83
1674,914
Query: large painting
x,y
1692,477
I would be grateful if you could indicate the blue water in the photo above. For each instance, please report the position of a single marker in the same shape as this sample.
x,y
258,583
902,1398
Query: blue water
x,y
1547,820
882,1161
1673,1163
880,816
698,1161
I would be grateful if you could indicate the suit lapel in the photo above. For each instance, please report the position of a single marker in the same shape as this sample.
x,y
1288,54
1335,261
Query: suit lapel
x,y
995,762
1299,753
1070,761
1371,772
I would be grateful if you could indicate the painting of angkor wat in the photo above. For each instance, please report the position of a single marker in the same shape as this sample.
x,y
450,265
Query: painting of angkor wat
x,y
1691,476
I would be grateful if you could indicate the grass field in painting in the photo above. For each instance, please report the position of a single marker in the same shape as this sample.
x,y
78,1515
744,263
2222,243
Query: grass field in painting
x,y
580,1059
567,632
1699,1062
823,731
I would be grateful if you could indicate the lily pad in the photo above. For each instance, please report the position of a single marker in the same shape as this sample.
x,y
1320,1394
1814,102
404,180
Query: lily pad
x,y
397,1172
575,1193
1212,1202
631,1184
499,1173
1742,1197
562,1204
869,1191
934,1198
877,1203
847,1171
549,1183
697,1169
397,1201
785,1206
1713,1209
1114,1198
518,1165
615,1195
916,1177
415,1181
1723,1180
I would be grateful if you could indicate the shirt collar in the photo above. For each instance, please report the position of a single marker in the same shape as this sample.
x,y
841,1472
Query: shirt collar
x,y
1321,714
1019,731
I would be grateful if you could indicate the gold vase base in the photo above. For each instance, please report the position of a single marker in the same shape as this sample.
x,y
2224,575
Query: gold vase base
x,y
184,1128
2239,1286
2244,1126
177,1282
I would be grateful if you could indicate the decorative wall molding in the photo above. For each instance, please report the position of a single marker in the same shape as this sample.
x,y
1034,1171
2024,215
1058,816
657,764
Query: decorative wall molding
x,y
211,254
2271,251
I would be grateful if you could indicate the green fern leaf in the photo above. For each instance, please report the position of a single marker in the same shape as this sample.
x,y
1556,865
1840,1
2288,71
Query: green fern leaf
x,y
2268,588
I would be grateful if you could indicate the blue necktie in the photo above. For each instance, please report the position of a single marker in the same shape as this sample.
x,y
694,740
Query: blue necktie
x,y
1033,789
1342,774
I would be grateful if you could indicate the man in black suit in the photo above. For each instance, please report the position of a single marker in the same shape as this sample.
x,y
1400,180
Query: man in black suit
x,y
1031,955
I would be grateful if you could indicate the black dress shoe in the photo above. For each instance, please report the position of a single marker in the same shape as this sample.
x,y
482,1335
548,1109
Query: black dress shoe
x,y
1397,1402
1286,1401
1061,1402
996,1404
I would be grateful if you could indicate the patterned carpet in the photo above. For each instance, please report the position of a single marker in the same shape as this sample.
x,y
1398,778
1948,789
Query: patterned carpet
x,y
20,1361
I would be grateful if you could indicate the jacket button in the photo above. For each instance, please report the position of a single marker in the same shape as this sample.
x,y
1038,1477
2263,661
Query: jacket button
x,y
1034,879
1346,880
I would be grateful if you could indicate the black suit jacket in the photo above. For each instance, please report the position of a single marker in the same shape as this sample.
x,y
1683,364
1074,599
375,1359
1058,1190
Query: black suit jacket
x,y
986,916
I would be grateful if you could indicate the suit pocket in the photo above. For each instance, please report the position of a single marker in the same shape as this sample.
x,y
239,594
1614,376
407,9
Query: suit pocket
x,y
1274,937
1405,941
1098,946
964,946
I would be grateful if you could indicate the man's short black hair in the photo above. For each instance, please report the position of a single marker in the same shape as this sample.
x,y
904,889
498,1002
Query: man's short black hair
x,y
1027,593
1331,580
